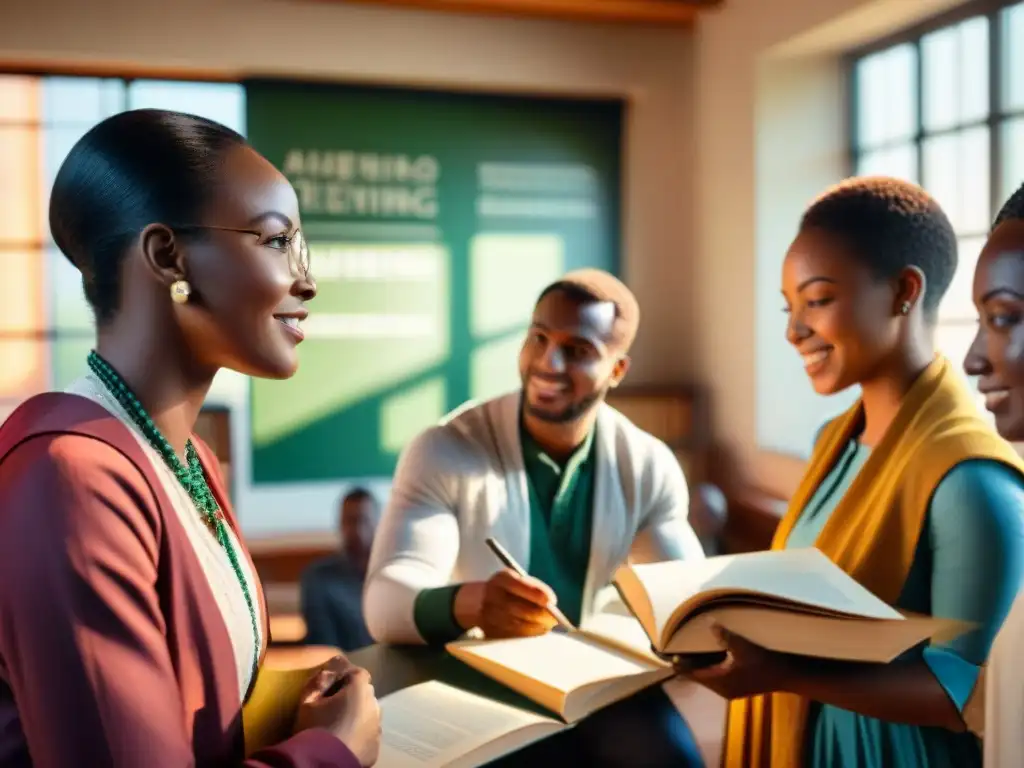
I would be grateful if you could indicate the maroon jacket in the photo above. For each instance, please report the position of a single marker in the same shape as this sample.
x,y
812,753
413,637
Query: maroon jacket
x,y
113,652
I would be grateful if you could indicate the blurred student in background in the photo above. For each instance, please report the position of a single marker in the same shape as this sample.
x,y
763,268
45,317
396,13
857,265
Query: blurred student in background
x,y
132,622
909,491
997,358
332,588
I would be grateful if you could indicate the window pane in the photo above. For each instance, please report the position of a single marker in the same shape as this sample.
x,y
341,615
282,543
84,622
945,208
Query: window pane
x,y
886,96
958,303
1013,57
899,162
974,90
939,72
22,299
955,72
19,99
223,102
19,186
939,156
80,100
69,311
55,144
68,358
1012,149
974,177
24,371
956,173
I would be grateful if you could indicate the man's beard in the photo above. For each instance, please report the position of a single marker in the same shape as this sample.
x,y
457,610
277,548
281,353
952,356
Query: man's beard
x,y
572,412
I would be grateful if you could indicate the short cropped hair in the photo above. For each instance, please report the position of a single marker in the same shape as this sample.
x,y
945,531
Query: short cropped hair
x,y
890,225
1013,209
598,286
358,494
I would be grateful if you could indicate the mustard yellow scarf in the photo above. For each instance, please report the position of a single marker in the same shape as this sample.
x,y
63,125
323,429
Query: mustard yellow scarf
x,y
873,532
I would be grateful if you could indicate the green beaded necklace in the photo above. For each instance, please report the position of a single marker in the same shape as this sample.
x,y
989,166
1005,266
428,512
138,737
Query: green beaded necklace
x,y
190,475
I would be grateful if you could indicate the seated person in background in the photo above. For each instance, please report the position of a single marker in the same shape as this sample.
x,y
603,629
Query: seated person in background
x,y
565,483
332,588
909,491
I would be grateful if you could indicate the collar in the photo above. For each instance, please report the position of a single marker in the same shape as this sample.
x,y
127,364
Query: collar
x,y
533,453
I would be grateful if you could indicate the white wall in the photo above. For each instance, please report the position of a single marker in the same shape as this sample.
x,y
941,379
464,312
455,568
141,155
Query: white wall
x,y
653,68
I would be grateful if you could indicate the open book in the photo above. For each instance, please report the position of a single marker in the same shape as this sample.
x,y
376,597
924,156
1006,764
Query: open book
x,y
793,601
428,725
570,674
434,725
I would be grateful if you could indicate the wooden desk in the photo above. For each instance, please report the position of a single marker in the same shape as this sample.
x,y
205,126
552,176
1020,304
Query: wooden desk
x,y
393,668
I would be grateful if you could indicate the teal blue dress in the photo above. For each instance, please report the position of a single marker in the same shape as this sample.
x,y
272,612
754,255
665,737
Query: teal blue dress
x,y
969,565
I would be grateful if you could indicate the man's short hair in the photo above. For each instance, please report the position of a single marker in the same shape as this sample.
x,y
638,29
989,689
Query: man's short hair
x,y
598,286
358,494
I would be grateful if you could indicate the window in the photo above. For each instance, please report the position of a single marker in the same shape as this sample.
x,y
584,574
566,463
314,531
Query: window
x,y
932,108
46,328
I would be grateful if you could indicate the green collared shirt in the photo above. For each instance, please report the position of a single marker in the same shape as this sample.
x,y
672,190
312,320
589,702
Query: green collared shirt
x,y
561,507
561,516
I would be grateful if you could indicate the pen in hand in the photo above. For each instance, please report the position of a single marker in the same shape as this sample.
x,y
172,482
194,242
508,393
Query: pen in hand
x,y
507,560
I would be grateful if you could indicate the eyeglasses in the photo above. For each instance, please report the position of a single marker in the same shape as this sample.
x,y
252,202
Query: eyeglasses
x,y
294,245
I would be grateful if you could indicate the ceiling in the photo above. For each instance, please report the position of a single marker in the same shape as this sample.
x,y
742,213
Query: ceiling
x,y
659,12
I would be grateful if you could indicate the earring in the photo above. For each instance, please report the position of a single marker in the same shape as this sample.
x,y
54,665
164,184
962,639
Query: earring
x,y
905,308
180,291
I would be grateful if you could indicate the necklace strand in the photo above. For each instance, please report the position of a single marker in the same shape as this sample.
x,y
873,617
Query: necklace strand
x,y
189,474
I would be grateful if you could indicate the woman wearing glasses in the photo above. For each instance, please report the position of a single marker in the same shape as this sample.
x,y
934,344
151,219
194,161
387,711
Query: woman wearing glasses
x,y
132,623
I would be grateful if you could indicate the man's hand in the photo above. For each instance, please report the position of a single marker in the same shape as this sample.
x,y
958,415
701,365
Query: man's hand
x,y
506,605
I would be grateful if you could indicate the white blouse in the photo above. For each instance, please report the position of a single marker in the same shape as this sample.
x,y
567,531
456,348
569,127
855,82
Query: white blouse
x,y
214,560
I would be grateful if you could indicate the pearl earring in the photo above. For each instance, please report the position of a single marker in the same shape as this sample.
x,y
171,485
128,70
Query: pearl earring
x,y
905,308
180,291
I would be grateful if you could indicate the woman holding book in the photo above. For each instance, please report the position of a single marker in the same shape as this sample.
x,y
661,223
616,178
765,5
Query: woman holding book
x,y
997,358
909,491
132,623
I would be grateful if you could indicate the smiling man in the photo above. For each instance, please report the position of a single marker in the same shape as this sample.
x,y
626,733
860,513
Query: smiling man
x,y
568,485
564,482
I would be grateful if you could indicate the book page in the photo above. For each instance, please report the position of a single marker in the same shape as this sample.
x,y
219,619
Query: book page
x,y
549,667
621,631
431,725
802,576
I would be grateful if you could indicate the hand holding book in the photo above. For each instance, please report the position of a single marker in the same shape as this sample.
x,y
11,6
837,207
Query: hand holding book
x,y
340,699
743,669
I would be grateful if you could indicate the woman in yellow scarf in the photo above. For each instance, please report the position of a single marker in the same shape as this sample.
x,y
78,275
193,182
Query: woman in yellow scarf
x,y
997,358
909,491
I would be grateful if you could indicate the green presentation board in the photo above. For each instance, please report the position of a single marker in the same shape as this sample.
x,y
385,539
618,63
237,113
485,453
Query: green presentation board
x,y
434,219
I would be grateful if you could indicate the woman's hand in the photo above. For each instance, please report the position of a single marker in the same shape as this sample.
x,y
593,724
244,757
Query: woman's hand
x,y
340,698
748,669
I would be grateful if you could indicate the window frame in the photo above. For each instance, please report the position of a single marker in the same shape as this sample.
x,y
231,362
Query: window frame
x,y
997,116
49,334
